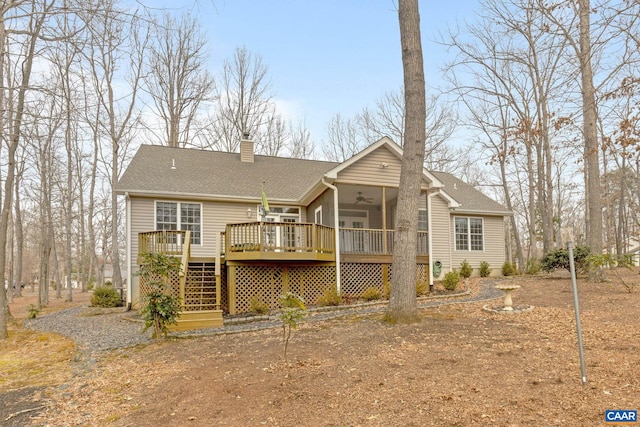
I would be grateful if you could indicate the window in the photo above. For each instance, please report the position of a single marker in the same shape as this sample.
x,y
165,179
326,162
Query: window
x,y
469,234
422,220
180,216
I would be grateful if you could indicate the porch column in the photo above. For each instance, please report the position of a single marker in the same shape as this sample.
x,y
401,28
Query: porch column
x,y
384,220
429,242
336,225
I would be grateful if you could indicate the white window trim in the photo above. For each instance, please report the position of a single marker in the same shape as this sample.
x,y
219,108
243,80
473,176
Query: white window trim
x,y
317,211
455,245
179,223
282,214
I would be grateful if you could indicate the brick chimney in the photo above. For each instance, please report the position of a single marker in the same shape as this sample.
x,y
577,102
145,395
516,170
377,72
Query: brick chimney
x,y
246,149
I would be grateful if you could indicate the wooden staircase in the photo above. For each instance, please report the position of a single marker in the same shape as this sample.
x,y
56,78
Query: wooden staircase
x,y
201,308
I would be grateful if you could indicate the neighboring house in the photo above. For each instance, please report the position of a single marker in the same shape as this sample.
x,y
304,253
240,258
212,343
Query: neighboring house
x,y
233,255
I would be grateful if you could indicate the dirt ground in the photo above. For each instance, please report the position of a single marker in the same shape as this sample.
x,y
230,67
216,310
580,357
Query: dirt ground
x,y
460,366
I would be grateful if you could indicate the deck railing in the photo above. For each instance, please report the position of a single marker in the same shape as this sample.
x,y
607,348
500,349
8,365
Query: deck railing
x,y
367,241
169,242
279,237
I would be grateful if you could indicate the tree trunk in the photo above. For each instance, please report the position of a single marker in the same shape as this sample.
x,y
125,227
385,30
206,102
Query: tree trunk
x,y
402,300
590,133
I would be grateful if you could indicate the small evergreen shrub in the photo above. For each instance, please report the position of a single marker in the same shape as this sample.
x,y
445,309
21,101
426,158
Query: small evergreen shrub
x,y
329,297
386,289
422,287
485,269
258,306
33,311
106,297
559,258
465,269
533,266
372,294
451,280
509,269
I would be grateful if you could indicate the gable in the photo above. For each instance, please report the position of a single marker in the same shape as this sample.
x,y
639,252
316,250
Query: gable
x,y
380,167
378,164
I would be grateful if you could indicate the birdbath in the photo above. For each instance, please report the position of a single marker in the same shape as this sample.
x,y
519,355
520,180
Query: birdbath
x,y
507,288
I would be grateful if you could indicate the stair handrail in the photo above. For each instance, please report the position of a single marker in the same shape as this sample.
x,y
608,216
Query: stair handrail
x,y
184,264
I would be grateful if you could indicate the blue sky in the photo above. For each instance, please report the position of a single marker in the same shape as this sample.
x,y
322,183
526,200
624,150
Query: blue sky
x,y
324,57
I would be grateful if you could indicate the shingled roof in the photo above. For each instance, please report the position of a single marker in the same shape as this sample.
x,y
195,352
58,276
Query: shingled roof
x,y
471,199
215,174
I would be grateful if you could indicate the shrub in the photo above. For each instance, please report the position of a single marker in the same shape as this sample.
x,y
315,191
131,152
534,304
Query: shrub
x,y
559,258
105,296
292,313
33,311
371,294
465,270
509,269
330,297
533,266
386,289
159,308
451,280
422,287
258,306
485,269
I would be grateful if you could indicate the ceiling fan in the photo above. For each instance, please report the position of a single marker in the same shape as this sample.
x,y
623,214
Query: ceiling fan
x,y
361,198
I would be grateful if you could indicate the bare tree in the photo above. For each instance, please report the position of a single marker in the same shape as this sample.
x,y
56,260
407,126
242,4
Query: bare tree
x,y
37,15
178,81
402,300
243,102
117,39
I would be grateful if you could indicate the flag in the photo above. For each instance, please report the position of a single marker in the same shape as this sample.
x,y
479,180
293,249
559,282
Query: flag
x,y
265,203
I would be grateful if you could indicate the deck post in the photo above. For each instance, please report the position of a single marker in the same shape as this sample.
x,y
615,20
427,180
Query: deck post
x,y
218,271
231,288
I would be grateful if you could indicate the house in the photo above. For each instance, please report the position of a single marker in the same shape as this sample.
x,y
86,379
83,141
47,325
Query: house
x,y
205,207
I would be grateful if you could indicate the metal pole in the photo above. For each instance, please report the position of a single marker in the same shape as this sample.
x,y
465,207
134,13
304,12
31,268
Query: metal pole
x,y
576,306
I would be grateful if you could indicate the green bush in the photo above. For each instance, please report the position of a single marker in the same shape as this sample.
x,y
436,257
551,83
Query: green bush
x,y
509,269
329,297
465,270
33,312
105,296
258,306
159,308
559,258
422,287
485,269
533,266
451,280
371,294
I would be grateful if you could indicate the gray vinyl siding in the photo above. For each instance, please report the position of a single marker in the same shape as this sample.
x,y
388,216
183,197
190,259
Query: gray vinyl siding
x,y
440,233
215,217
326,201
367,171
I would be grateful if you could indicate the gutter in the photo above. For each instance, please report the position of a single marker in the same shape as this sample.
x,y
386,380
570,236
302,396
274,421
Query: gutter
x,y
336,225
128,250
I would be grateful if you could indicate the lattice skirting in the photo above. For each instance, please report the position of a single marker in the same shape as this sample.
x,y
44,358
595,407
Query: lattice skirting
x,y
173,288
356,278
267,282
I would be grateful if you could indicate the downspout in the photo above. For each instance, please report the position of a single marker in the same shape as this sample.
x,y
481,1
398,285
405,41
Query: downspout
x,y
128,250
429,240
336,225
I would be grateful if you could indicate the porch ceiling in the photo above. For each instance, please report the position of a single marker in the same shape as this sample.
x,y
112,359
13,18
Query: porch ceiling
x,y
348,194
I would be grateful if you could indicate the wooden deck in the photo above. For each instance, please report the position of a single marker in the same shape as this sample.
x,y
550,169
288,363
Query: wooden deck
x,y
279,241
